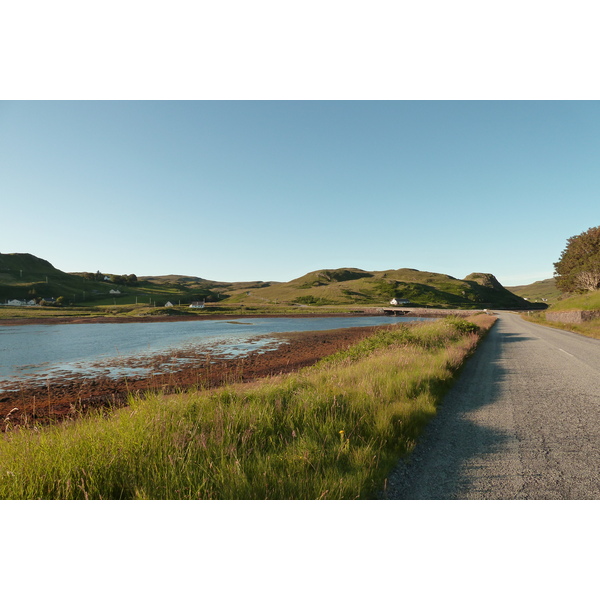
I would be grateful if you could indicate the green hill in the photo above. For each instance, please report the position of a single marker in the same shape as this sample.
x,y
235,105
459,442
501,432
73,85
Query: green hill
x,y
24,277
355,286
540,291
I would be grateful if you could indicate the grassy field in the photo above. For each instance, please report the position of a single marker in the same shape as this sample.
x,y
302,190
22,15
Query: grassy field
x,y
332,431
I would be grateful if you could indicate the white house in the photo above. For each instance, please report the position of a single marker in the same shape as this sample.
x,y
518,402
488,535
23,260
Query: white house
x,y
16,303
114,292
168,304
398,301
197,304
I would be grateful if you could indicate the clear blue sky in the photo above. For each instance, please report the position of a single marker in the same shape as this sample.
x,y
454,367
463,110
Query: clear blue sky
x,y
269,190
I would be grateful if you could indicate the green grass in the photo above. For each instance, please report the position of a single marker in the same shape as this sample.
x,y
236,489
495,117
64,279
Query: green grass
x,y
588,328
587,301
332,431
540,291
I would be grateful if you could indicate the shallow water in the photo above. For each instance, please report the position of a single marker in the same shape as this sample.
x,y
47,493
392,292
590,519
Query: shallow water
x,y
33,353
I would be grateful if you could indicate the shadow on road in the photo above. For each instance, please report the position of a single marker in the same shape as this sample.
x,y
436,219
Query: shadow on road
x,y
445,462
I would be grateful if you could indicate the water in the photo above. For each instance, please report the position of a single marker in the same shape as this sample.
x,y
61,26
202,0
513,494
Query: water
x,y
32,354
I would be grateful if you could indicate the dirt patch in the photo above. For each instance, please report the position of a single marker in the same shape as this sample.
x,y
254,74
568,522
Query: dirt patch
x,y
58,399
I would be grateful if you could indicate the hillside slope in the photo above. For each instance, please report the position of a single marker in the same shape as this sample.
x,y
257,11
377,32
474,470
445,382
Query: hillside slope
x,y
24,276
540,291
355,286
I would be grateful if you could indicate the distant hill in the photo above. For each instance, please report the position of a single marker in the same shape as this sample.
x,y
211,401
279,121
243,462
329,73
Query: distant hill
x,y
540,291
24,276
355,286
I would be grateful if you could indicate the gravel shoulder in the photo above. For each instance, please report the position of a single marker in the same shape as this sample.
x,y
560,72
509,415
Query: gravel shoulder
x,y
521,422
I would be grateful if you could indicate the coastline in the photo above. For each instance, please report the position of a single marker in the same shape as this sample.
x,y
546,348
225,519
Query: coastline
x,y
50,320
57,400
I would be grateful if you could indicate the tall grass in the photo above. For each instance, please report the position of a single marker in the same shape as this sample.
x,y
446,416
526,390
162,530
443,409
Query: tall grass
x,y
332,431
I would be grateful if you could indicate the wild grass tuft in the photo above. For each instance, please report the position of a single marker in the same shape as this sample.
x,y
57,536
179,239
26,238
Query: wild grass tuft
x,y
332,431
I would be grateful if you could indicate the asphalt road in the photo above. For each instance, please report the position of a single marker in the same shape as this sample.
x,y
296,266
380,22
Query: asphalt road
x,y
522,422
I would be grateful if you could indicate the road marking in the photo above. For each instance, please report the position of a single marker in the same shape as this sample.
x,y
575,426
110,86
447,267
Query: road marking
x,y
566,352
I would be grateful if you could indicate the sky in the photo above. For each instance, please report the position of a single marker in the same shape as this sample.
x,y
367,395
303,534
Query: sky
x,y
270,190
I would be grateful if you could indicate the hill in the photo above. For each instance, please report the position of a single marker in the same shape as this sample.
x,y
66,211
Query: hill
x,y
27,277
355,286
540,291
24,276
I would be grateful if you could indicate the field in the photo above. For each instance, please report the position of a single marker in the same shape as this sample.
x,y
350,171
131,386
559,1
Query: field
x,y
331,431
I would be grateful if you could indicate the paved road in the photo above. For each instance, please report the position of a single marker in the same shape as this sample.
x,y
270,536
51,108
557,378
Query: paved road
x,y
522,422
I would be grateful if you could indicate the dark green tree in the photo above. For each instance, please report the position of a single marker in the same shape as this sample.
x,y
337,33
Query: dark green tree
x,y
578,269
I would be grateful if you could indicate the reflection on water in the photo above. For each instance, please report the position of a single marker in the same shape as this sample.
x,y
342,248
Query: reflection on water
x,y
30,354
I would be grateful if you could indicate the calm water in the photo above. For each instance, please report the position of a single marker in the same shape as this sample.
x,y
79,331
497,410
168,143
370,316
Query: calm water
x,y
34,353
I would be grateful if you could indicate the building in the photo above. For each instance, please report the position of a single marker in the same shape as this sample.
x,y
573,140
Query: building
x,y
399,301
168,304
197,304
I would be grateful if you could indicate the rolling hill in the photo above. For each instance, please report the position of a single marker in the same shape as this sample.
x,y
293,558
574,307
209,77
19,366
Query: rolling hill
x,y
540,291
355,286
24,276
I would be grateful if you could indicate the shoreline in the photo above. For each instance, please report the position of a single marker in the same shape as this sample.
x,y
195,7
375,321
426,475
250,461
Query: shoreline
x,y
366,312
55,400
75,320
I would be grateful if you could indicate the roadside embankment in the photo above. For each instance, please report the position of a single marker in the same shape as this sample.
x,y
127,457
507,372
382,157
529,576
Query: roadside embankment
x,y
567,321
331,431
572,316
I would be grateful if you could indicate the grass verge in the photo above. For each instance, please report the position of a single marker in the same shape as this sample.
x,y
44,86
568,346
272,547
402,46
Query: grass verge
x,y
588,328
331,431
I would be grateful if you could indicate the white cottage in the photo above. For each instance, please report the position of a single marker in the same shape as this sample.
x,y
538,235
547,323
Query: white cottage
x,y
169,304
399,301
197,304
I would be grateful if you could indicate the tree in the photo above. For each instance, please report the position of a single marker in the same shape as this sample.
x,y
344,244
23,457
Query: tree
x,y
578,269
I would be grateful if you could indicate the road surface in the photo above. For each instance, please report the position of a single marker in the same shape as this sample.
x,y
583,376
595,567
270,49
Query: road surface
x,y
522,422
